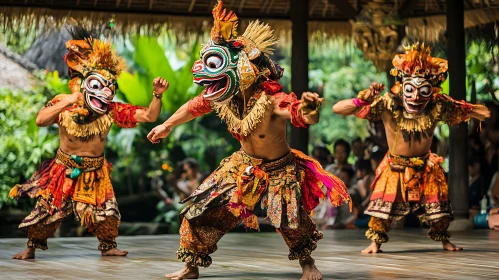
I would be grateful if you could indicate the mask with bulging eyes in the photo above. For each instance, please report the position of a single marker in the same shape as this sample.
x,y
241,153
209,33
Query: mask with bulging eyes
x,y
416,94
98,92
217,71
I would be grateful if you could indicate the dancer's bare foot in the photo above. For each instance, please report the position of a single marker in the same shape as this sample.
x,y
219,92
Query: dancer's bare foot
x,y
450,247
27,254
310,271
188,272
372,249
114,252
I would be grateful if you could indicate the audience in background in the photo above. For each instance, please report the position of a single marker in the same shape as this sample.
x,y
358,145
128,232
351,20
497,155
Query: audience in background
x,y
341,154
322,154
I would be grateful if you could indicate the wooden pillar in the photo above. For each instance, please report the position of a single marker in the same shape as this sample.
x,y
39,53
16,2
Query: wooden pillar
x,y
299,65
458,146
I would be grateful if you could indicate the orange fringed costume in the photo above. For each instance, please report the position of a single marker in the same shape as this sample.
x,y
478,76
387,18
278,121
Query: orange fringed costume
x,y
79,185
414,184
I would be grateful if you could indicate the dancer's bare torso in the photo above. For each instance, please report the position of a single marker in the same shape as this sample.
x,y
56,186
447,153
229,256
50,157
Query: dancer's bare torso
x,y
89,147
396,143
268,140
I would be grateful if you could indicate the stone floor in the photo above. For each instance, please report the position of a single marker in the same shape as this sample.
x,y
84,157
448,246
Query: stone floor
x,y
409,255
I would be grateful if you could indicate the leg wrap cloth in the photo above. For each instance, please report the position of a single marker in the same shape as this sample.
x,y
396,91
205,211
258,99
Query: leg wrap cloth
x,y
405,185
287,187
70,184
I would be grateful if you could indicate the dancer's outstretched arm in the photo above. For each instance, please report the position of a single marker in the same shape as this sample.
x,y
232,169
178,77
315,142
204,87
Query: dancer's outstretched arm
x,y
455,111
196,107
49,114
353,106
300,112
151,112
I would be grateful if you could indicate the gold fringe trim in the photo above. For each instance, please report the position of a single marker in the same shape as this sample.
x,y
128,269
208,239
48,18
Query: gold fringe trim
x,y
247,124
262,35
98,126
422,123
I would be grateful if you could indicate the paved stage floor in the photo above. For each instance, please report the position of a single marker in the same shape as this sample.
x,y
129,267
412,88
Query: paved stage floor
x,y
409,255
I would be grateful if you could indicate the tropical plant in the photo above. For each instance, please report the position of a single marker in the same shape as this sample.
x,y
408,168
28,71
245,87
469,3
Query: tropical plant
x,y
23,145
339,70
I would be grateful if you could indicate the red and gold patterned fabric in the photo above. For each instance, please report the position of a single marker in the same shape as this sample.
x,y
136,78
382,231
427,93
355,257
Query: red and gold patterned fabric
x,y
282,186
91,192
410,184
198,106
124,114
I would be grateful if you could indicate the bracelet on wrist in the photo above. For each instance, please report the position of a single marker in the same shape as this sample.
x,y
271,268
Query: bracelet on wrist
x,y
359,102
157,95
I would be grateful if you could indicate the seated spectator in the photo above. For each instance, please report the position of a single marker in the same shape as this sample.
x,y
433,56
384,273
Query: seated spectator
x,y
341,154
358,149
493,219
365,177
322,154
190,178
479,185
344,218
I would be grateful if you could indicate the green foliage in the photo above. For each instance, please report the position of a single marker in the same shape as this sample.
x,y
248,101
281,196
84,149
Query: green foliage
x,y
151,62
338,68
482,67
22,143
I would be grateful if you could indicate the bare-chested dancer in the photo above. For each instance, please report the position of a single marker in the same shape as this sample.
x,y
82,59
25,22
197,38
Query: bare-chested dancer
x,y
242,88
78,179
410,178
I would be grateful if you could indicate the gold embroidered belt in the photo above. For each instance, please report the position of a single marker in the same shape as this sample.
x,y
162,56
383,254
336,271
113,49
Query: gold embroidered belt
x,y
82,163
399,163
272,165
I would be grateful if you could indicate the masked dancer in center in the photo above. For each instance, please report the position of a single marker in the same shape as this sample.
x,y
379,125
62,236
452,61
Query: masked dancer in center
x,y
242,89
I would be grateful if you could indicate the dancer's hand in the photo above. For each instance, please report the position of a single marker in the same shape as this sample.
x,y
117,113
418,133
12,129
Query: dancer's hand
x,y
73,98
159,132
160,85
312,100
369,94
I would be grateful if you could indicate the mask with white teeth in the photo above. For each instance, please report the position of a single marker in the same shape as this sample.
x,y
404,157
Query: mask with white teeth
x,y
98,92
416,94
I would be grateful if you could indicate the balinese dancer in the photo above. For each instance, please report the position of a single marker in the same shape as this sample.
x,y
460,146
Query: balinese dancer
x,y
242,88
410,178
78,179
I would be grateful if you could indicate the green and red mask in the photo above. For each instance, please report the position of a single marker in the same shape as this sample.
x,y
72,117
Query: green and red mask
x,y
217,70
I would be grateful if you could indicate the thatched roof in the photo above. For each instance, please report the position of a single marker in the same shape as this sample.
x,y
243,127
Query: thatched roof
x,y
326,18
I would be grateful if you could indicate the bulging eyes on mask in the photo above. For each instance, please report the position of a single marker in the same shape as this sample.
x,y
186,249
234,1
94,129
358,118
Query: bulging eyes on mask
x,y
98,93
417,93
217,71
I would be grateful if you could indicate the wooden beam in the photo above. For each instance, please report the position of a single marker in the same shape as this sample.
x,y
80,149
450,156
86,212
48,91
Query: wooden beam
x,y
311,7
269,8
77,2
151,3
264,6
118,2
345,7
299,65
95,3
439,4
407,7
458,139
241,5
129,4
191,6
